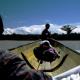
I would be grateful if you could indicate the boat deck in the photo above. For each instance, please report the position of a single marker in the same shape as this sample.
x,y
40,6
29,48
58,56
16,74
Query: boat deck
x,y
71,61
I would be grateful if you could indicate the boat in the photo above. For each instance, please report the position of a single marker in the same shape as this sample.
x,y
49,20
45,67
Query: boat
x,y
68,58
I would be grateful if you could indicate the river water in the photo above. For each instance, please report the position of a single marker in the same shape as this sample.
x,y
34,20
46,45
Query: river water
x,y
8,44
75,45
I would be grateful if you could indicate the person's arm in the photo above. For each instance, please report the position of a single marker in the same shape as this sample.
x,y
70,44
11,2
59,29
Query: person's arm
x,y
13,67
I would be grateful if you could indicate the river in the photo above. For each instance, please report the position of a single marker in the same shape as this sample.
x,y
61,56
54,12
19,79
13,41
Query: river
x,y
8,44
75,45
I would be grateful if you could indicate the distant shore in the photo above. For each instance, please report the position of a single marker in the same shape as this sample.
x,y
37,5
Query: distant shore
x,y
72,36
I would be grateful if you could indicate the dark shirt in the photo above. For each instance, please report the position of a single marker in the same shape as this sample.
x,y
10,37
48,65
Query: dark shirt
x,y
45,34
12,67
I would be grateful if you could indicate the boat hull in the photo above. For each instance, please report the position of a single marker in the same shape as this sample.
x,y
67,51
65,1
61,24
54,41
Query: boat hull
x,y
68,58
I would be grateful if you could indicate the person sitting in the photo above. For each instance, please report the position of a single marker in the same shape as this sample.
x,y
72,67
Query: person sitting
x,y
45,52
12,67
45,33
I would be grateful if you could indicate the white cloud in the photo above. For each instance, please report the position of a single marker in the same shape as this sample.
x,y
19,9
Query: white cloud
x,y
37,29
8,31
77,30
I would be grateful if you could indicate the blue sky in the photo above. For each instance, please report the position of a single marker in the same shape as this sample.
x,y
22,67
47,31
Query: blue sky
x,y
17,13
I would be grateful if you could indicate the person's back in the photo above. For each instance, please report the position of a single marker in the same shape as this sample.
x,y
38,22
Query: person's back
x,y
45,33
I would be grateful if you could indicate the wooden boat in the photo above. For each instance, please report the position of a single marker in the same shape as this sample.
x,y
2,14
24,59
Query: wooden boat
x,y
68,58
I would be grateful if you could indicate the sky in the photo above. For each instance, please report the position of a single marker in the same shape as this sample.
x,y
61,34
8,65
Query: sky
x,y
20,13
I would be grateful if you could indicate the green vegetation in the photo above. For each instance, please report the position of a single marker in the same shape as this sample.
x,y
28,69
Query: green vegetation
x,y
72,36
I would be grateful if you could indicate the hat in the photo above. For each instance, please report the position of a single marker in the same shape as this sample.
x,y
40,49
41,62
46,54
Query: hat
x,y
45,42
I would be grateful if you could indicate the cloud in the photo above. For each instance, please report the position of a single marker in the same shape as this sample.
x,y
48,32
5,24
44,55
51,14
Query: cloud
x,y
77,30
37,29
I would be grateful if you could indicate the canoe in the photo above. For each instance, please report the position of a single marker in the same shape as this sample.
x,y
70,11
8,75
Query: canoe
x,y
68,58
